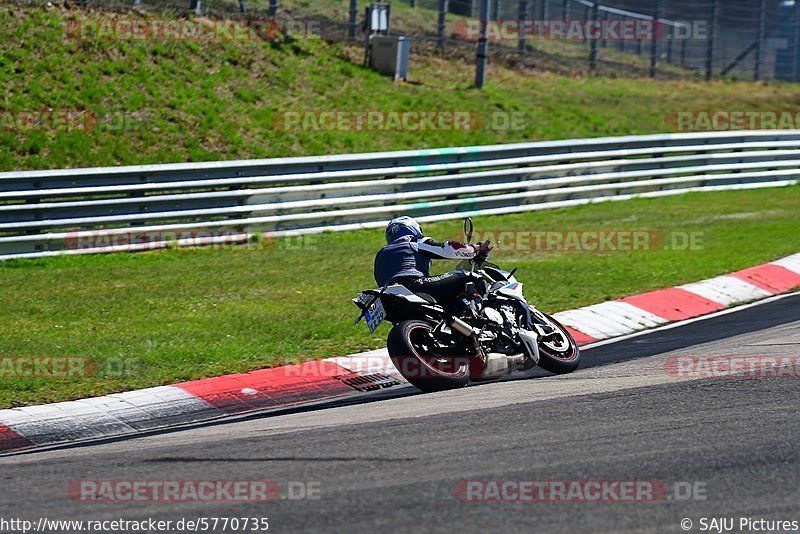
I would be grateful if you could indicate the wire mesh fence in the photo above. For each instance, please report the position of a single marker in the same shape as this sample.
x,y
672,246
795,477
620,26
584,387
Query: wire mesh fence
x,y
747,39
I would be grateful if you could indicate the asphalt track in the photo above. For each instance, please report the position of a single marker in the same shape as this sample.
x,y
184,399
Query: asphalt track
x,y
390,461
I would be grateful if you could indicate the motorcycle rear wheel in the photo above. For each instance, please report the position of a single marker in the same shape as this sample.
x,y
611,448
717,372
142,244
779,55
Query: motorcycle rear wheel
x,y
410,345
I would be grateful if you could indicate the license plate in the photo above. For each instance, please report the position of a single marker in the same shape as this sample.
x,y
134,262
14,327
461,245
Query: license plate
x,y
375,314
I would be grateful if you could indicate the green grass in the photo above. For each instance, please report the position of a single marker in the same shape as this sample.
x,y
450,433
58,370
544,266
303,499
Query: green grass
x,y
158,318
177,315
191,101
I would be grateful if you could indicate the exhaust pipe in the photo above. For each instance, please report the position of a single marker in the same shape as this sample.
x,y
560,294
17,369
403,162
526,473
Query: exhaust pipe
x,y
463,328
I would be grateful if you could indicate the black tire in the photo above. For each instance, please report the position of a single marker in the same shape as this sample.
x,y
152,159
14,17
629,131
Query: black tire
x,y
559,362
422,369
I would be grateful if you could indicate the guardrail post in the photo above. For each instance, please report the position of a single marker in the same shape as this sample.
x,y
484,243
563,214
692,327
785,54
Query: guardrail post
x,y
523,16
273,8
443,4
593,42
483,46
654,48
352,24
762,16
711,38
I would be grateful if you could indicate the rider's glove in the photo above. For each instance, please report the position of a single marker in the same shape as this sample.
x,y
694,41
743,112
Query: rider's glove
x,y
483,249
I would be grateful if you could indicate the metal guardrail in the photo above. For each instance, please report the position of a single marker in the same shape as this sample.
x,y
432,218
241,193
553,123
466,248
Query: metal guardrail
x,y
143,207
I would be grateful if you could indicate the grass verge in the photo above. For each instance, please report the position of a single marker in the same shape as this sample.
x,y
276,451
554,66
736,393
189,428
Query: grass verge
x,y
178,100
156,318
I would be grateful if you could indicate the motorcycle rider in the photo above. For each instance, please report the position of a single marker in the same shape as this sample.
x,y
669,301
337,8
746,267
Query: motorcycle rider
x,y
406,260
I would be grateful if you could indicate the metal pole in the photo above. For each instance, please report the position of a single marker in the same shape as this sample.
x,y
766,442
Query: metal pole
x,y
622,36
654,39
195,5
412,3
670,39
442,22
711,38
544,12
496,9
683,52
273,8
483,46
565,9
523,16
795,40
243,6
762,16
351,28
593,42
604,17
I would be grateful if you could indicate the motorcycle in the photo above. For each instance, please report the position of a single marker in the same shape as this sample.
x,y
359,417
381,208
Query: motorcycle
x,y
491,330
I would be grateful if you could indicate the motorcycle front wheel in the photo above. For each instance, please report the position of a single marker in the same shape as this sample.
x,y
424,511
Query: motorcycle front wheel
x,y
558,353
413,352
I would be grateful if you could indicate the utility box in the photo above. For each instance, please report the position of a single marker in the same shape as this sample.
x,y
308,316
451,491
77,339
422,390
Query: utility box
x,y
389,55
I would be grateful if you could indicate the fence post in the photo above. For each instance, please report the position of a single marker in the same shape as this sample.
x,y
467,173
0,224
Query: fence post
x,y
795,39
483,46
604,18
654,48
670,39
495,9
412,3
442,23
523,16
243,6
622,35
544,12
351,27
565,9
762,16
273,9
711,38
196,7
593,42
683,52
